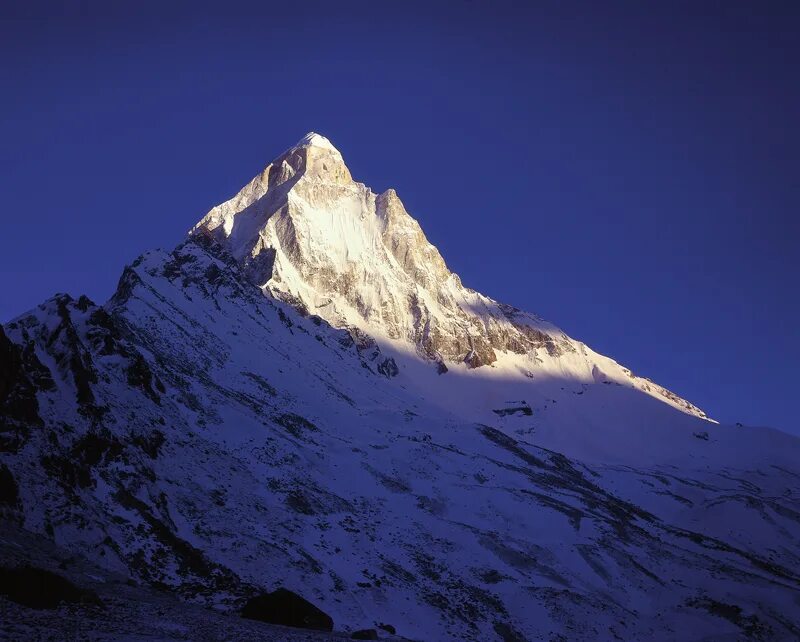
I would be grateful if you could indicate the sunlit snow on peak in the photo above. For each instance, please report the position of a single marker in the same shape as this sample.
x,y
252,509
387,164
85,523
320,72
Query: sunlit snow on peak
x,y
313,139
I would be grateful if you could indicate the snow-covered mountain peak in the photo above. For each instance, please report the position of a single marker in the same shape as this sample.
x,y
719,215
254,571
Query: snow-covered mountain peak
x,y
313,139
437,464
306,233
313,157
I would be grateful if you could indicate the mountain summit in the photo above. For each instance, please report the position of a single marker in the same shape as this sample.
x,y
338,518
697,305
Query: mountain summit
x,y
306,233
313,139
301,398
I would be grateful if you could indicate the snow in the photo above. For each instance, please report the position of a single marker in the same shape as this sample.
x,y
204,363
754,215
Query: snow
x,y
316,140
288,460
403,480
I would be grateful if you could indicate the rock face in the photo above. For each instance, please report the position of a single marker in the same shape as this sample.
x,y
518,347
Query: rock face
x,y
216,434
307,233
19,368
9,493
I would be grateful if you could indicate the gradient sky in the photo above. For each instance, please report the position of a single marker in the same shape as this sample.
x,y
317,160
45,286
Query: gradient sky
x,y
629,171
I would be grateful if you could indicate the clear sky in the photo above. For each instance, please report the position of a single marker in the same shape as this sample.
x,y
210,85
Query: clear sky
x,y
629,171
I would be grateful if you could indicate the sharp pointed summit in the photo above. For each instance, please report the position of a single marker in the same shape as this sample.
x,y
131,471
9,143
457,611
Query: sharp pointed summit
x,y
305,232
313,139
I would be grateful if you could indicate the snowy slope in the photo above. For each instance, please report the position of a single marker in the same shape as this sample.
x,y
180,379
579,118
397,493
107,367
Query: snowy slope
x,y
200,436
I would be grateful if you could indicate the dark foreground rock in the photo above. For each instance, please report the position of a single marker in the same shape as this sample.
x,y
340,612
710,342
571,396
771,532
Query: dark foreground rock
x,y
131,610
9,491
37,588
287,609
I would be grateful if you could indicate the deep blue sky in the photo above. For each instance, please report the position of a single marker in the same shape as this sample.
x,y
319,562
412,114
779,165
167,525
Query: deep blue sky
x,y
630,171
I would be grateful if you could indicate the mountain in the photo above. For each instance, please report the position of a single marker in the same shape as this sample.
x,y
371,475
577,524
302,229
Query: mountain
x,y
308,234
302,395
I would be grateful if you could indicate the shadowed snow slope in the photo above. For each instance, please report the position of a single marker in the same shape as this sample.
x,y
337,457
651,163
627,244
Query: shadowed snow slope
x,y
302,395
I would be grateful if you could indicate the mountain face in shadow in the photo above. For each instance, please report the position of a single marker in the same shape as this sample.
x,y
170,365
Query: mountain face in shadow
x,y
302,397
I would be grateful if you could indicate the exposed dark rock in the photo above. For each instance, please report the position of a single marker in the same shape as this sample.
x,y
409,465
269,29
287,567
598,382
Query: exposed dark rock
x,y
70,353
214,274
74,469
293,301
39,375
127,282
258,269
522,409
388,368
150,443
299,503
362,341
511,445
172,269
140,376
190,560
749,624
288,609
84,303
83,376
96,446
507,633
17,392
103,333
261,383
388,628
9,491
365,634
284,319
491,576
534,337
295,424
37,588
480,355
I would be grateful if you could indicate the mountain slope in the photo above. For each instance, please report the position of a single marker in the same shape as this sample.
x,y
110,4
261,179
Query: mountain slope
x,y
201,437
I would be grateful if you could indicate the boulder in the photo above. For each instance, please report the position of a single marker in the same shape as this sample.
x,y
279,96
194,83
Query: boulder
x,y
37,588
9,491
287,609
